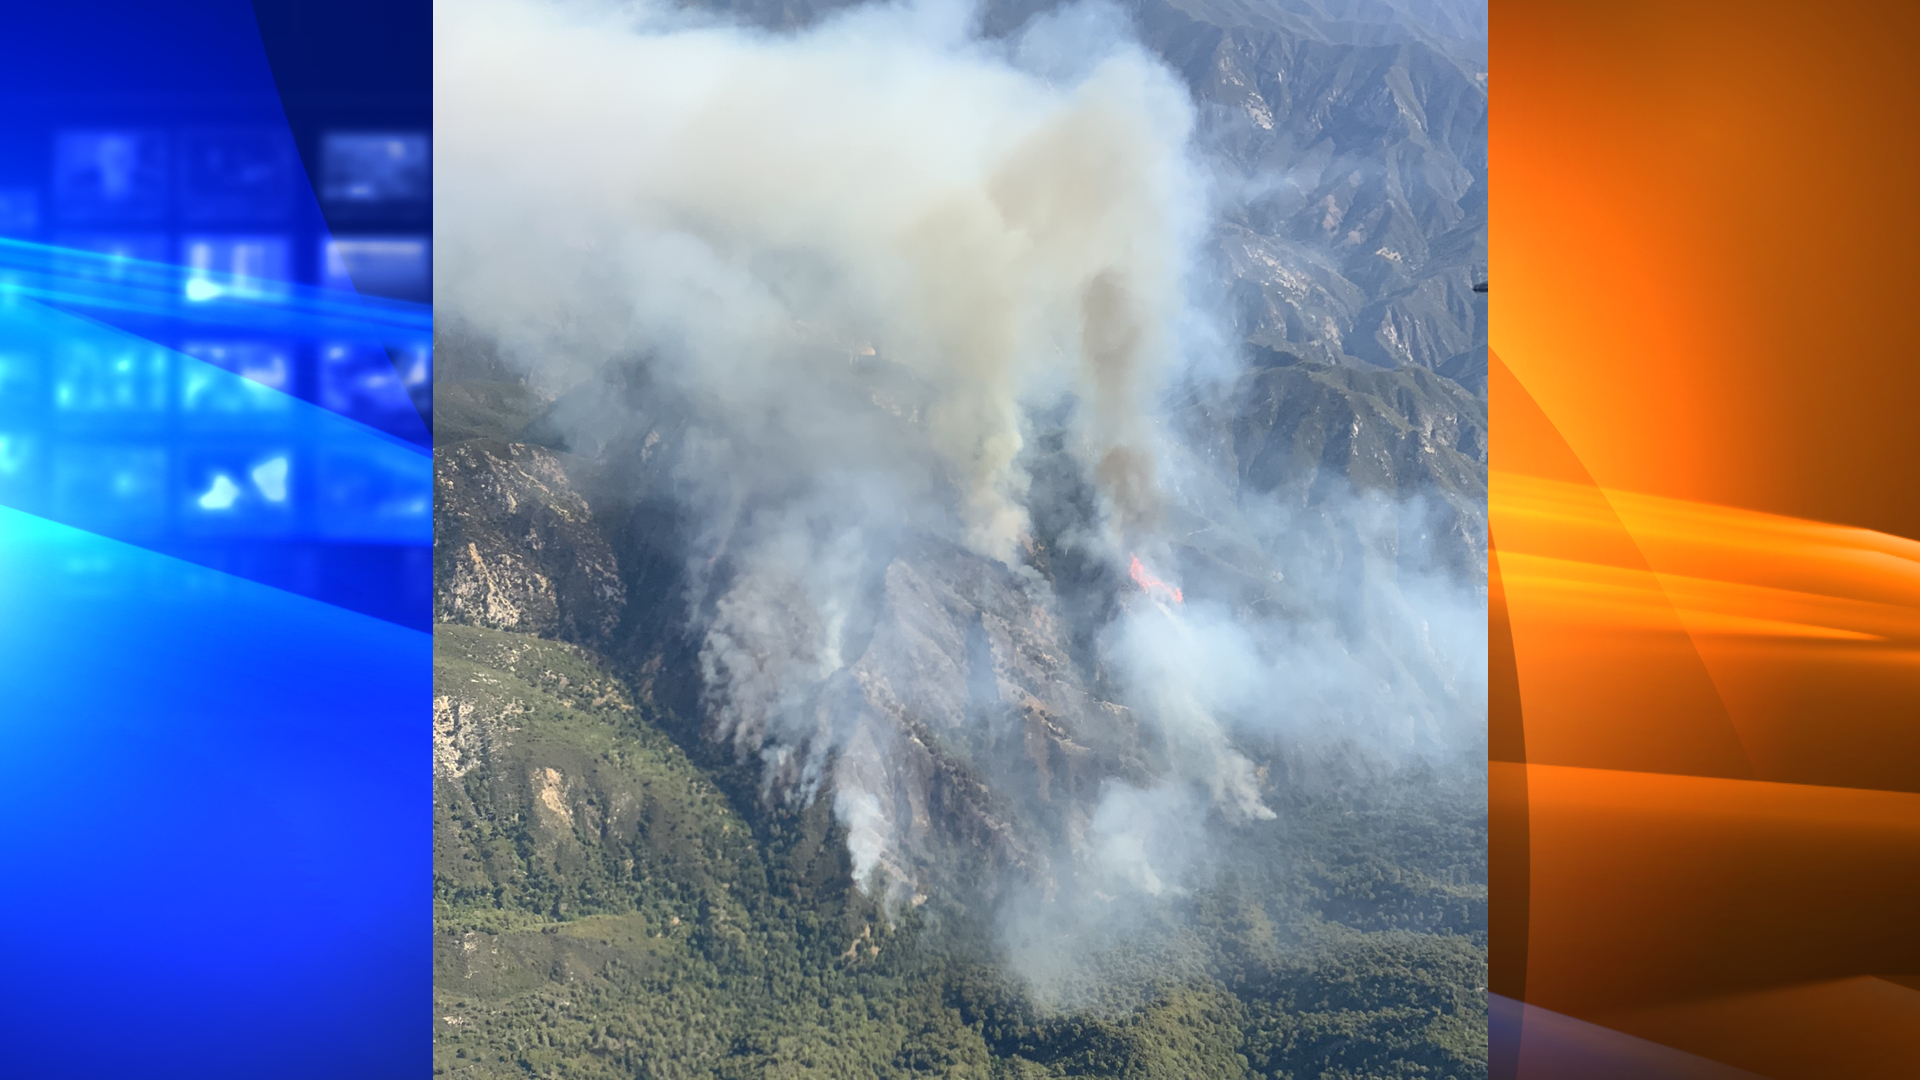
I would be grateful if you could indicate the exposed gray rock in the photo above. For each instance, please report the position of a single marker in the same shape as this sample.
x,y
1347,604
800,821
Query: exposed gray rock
x,y
516,548
969,674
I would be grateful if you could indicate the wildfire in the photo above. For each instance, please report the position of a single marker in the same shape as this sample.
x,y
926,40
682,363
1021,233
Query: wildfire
x,y
1151,585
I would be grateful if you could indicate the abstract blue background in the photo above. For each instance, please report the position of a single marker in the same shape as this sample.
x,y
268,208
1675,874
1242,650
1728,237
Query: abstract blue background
x,y
215,538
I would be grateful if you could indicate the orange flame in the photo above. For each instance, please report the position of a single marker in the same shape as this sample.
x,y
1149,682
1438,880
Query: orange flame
x,y
1151,585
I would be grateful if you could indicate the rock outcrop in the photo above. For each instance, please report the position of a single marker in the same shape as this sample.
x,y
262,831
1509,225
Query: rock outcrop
x,y
516,548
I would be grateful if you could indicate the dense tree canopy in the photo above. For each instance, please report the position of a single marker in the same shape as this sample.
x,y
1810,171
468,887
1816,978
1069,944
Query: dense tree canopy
x,y
610,903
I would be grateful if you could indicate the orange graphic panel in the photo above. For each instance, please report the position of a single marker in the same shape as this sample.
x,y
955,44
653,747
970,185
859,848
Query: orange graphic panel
x,y
1705,510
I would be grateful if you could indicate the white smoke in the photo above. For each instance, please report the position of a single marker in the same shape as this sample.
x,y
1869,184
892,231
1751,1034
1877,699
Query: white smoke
x,y
882,184
864,254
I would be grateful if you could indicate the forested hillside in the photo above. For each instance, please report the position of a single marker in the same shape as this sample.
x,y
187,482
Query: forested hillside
x,y
605,906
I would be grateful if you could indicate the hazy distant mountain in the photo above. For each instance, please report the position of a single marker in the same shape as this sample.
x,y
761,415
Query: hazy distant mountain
x,y
1350,136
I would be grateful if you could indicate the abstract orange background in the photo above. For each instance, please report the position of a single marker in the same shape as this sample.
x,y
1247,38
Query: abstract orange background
x,y
1705,503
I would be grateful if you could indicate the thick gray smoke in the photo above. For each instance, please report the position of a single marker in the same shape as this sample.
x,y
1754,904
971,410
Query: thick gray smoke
x,y
867,256
882,185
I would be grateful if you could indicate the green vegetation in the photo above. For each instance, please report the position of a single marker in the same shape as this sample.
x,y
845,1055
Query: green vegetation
x,y
608,904
476,393
482,410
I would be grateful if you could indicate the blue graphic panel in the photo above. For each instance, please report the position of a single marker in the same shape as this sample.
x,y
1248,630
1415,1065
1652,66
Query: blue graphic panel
x,y
218,861
215,540
202,450
153,182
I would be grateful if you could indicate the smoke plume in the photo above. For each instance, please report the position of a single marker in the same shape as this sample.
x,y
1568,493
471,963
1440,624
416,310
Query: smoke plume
x,y
875,259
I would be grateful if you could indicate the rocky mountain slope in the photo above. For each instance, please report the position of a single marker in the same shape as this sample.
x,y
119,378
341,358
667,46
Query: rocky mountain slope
x,y
1352,157
621,893
632,882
